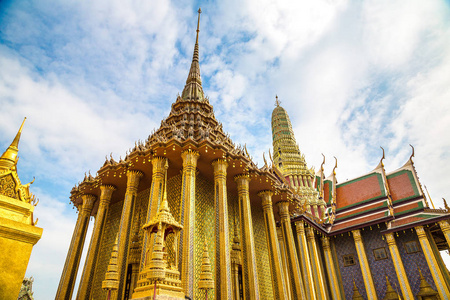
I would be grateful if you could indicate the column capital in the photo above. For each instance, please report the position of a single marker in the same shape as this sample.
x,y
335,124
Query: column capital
x,y
220,162
445,226
390,239
266,197
133,177
190,157
309,233
420,232
242,178
106,192
283,210
88,202
326,243
357,235
300,227
158,163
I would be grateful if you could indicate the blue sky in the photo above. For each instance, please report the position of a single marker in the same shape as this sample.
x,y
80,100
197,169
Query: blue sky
x,y
92,77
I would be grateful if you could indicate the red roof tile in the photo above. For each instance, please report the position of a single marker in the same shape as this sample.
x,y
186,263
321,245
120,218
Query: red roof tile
x,y
360,190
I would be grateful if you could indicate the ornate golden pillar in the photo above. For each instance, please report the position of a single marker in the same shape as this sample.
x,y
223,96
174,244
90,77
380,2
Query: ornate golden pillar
x,y
298,291
156,194
399,268
190,158
331,270
223,273
84,290
364,264
305,261
236,260
68,277
279,286
133,177
433,265
287,279
251,289
319,281
445,227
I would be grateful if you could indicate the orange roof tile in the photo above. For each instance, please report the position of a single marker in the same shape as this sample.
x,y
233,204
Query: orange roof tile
x,y
360,190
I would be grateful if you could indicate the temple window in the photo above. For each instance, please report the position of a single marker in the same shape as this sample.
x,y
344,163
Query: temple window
x,y
380,253
411,247
349,260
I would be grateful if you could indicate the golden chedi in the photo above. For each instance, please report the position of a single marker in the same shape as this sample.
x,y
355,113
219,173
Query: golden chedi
x,y
18,231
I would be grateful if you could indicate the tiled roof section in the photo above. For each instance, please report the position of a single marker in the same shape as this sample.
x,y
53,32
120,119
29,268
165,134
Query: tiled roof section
x,y
361,221
327,190
408,208
382,205
402,186
360,190
412,219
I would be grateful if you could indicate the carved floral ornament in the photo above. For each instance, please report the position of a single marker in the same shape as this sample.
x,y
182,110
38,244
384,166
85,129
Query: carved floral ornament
x,y
10,186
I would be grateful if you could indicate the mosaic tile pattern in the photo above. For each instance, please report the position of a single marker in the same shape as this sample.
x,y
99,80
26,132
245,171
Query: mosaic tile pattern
x,y
344,245
108,238
379,268
413,261
204,229
174,200
262,253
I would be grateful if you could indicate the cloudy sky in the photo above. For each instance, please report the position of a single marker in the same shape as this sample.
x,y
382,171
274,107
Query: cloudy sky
x,y
92,77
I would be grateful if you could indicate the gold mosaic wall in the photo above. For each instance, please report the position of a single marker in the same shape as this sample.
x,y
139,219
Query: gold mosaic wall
x,y
204,230
109,235
262,253
173,199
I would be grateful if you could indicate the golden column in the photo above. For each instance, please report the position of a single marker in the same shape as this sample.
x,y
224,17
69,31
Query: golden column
x,y
314,254
305,260
445,227
190,158
70,270
274,249
433,265
251,289
364,264
331,270
84,289
298,291
223,273
399,268
133,177
287,280
156,194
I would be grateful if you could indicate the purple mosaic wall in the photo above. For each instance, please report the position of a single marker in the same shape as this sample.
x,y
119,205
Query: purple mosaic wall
x,y
379,268
413,261
345,245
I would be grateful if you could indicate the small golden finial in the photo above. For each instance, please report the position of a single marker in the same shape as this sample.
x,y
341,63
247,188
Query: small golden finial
x,y
412,154
381,160
445,205
277,102
321,166
335,166
265,161
198,24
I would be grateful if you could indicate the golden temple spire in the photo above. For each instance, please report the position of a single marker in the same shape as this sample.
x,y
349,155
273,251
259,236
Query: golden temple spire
x,y
193,90
9,157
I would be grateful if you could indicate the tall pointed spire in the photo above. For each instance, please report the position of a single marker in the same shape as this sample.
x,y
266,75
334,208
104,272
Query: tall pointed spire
x,y
9,157
193,90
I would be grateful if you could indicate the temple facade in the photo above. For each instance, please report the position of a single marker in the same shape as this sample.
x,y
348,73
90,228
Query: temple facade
x,y
187,214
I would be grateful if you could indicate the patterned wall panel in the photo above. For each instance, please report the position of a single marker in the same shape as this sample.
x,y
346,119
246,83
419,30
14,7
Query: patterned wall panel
x,y
346,245
262,253
379,268
413,261
108,237
204,230
174,200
